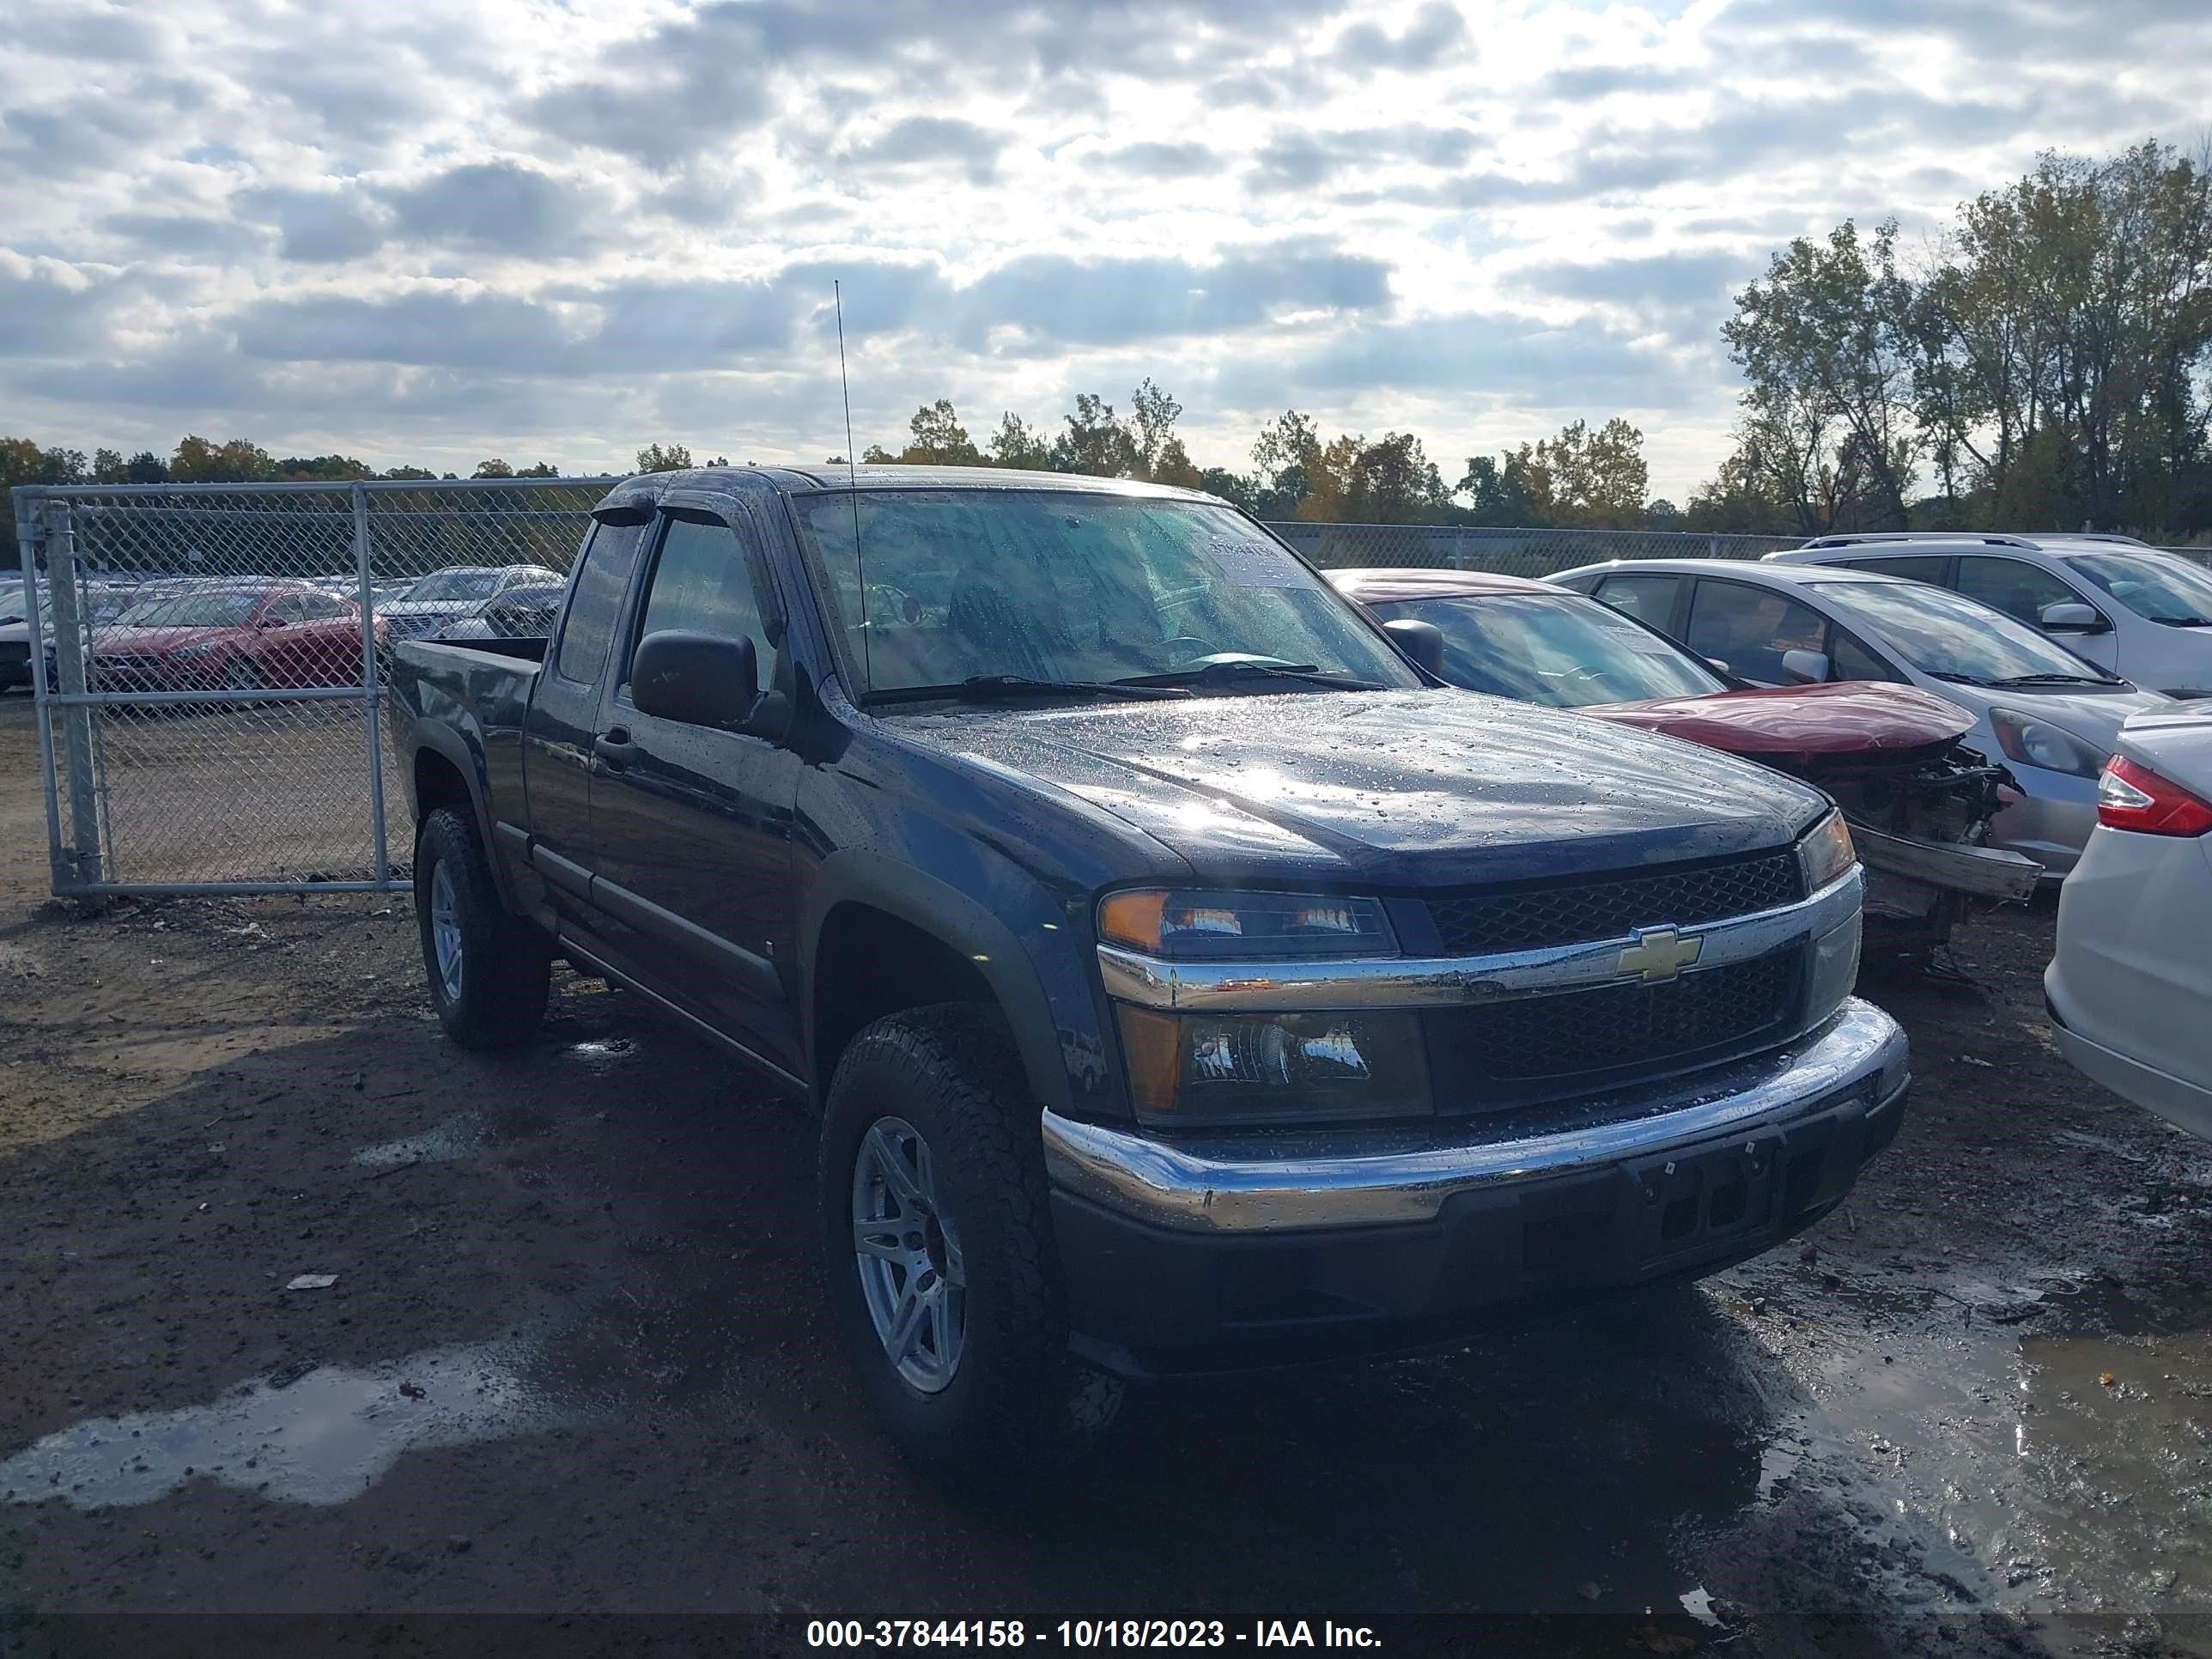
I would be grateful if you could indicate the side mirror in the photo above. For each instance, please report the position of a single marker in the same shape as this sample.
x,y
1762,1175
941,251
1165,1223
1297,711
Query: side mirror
x,y
1806,667
2072,618
1423,642
701,679
1719,666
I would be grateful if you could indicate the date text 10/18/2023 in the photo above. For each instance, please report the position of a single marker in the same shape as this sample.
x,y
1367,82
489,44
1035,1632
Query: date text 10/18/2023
x,y
1087,1633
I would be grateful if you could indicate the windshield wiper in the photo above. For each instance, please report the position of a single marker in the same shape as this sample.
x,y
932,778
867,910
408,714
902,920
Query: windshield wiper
x,y
2059,679
2183,621
1956,679
1215,672
998,688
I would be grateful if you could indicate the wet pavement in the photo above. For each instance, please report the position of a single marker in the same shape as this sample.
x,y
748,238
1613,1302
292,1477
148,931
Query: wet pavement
x,y
572,1363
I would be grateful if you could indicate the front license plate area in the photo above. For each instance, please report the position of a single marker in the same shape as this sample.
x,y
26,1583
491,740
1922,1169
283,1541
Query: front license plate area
x,y
1694,1201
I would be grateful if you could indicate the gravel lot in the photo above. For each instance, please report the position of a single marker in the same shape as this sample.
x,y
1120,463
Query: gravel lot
x,y
571,1363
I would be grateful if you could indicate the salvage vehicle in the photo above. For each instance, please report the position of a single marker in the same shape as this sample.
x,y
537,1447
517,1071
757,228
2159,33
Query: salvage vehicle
x,y
447,595
2130,609
2047,715
1919,805
2130,986
1185,980
234,637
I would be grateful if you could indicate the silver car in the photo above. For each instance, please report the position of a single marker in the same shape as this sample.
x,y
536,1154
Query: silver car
x,y
2131,982
2049,716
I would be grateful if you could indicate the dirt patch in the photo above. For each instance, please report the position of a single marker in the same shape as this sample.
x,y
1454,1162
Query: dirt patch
x,y
569,1360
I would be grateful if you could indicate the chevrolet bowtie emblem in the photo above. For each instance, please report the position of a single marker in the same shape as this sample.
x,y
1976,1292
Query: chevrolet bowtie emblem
x,y
1659,953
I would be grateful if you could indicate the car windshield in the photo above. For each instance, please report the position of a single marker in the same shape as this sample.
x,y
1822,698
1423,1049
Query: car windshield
x,y
1567,652
193,611
448,586
1067,587
2164,591
1945,634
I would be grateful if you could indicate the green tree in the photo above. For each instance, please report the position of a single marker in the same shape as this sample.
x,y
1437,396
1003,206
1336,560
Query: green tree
x,y
145,468
1288,451
1592,480
1502,490
236,461
1096,441
337,468
938,438
1828,345
108,467
1393,481
543,469
407,472
493,469
664,458
1016,444
1154,416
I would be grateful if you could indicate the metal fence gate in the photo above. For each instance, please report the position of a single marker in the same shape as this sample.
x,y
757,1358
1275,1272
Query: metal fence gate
x,y
208,661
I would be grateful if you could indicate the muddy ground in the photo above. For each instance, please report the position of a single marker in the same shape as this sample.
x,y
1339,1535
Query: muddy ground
x,y
571,1362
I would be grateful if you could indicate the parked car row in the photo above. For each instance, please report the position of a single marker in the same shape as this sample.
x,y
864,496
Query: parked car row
x,y
243,631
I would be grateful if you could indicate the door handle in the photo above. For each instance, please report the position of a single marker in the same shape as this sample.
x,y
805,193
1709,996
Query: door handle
x,y
614,747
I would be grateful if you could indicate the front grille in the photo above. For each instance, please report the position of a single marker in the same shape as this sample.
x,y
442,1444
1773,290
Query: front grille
x,y
1530,918
1515,1051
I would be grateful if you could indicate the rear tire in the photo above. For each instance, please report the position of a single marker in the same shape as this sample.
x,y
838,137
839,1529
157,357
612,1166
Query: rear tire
x,y
488,974
993,1393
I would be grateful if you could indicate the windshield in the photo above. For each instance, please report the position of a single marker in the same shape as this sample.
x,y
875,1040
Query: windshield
x,y
449,586
2164,591
193,611
1939,633
1067,587
1568,653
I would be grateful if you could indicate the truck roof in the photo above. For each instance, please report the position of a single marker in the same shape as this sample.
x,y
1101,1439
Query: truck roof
x,y
810,480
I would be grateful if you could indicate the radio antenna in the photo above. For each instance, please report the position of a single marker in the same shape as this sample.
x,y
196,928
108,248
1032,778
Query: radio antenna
x,y
853,479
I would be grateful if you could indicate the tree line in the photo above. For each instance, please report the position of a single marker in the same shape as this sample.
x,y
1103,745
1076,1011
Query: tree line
x,y
2044,362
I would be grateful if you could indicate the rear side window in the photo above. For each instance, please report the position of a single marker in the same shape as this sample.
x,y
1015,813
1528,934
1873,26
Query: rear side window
x,y
1848,660
1648,599
2014,586
1919,570
602,578
1749,629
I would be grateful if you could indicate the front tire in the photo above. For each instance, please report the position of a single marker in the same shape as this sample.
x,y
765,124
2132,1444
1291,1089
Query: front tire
x,y
488,974
944,1282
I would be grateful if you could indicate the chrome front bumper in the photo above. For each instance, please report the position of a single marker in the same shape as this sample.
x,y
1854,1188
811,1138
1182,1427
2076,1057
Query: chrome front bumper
x,y
1260,1183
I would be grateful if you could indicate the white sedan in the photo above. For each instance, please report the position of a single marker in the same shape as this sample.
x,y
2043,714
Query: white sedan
x,y
2130,988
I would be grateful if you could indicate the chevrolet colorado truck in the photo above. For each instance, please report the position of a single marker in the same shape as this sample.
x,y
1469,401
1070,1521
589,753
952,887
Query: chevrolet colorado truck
x,y
1184,977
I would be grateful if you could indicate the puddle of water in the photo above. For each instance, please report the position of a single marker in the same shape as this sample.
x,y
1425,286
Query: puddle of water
x,y
602,1053
455,1138
321,1439
2016,1448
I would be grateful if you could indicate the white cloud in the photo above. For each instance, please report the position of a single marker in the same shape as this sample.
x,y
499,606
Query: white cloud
x,y
564,229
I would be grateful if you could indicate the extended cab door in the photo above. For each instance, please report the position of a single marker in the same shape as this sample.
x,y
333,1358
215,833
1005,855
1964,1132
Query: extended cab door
x,y
564,713
691,824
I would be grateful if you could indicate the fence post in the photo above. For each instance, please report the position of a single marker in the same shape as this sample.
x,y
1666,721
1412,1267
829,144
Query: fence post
x,y
30,535
370,681
79,865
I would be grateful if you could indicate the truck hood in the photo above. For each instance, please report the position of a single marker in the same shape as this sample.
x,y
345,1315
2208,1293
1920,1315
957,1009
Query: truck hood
x,y
1801,720
1398,789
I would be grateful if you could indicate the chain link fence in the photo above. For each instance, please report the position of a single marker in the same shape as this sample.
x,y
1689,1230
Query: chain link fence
x,y
209,658
209,665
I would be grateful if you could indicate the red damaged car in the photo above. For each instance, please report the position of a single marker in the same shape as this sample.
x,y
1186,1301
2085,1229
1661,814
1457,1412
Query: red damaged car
x,y
215,637
1919,804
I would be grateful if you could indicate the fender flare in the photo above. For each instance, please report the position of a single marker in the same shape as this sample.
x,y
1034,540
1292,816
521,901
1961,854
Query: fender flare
x,y
451,747
944,912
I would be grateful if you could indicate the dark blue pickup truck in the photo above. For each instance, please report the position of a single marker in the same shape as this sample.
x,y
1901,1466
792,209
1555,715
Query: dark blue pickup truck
x,y
1184,978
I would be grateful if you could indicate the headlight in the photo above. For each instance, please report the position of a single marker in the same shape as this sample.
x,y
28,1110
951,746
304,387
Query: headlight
x,y
1195,1071
2038,743
1826,852
1199,925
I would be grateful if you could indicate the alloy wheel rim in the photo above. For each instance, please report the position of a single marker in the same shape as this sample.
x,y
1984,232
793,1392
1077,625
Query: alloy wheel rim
x,y
445,933
912,1275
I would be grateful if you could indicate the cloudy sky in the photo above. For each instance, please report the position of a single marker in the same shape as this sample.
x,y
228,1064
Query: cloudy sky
x,y
434,232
